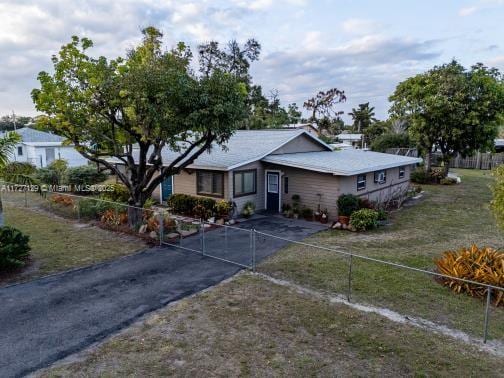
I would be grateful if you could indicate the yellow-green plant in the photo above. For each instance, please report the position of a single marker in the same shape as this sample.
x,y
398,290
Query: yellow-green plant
x,y
497,203
485,265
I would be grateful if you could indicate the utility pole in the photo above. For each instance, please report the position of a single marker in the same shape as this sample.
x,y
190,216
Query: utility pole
x,y
14,119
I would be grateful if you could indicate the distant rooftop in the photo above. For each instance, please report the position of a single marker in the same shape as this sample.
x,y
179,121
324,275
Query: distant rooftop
x,y
29,135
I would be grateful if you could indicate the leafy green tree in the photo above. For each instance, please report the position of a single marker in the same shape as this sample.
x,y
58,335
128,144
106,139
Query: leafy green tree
x,y
293,113
7,122
134,108
375,130
497,203
362,117
391,140
451,108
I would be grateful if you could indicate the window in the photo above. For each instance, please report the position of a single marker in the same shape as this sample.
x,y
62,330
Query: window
x,y
210,183
20,151
402,172
361,182
272,183
380,177
245,182
286,185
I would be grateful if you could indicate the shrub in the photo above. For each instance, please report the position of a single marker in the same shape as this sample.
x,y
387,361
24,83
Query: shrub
x,y
364,219
84,175
114,218
14,248
286,207
181,203
223,208
62,200
347,204
307,213
185,204
382,214
419,176
116,193
248,209
485,265
200,212
47,176
18,168
448,181
391,140
437,174
497,203
364,203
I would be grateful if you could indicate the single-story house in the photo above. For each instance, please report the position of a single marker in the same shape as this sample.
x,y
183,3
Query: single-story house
x,y
41,148
267,167
355,140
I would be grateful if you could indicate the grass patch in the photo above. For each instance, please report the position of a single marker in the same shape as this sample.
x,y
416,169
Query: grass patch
x,y
59,244
448,217
251,327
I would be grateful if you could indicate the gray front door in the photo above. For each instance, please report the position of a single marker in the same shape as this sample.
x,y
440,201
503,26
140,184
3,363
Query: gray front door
x,y
272,191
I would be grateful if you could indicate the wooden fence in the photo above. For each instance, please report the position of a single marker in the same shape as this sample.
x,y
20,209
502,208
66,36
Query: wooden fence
x,y
480,160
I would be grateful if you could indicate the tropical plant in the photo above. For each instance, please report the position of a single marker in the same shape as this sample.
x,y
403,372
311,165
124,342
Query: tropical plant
x,y
14,248
362,117
307,213
484,265
248,209
497,203
223,208
364,219
116,193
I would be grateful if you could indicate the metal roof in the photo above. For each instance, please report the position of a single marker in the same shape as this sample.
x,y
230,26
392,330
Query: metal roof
x,y
349,136
346,162
29,135
244,147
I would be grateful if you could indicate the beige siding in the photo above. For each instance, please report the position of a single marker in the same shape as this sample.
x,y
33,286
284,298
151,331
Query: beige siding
x,y
257,198
375,191
308,184
185,182
302,143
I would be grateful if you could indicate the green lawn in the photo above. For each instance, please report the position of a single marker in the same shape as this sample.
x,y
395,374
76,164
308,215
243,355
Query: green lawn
x,y
59,244
252,327
448,217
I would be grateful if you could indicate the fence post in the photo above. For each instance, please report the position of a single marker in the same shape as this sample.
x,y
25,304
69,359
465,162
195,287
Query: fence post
x,y
349,293
202,224
485,327
26,197
161,228
253,250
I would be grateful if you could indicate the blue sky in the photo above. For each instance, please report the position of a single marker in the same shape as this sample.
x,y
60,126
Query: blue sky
x,y
363,47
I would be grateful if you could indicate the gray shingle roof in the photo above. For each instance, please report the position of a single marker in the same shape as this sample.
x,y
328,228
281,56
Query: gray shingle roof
x,y
346,162
29,135
245,146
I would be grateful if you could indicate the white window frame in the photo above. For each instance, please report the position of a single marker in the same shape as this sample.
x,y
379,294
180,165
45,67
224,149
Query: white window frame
x,y
380,177
402,172
361,181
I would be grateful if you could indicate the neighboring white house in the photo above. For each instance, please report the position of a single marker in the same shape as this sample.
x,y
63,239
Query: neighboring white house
x,y
40,149
355,140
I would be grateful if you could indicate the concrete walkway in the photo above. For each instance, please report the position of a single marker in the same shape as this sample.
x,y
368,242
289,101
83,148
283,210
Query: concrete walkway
x,y
44,320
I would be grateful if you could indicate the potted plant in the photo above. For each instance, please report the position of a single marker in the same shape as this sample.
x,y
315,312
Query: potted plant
x,y
318,213
296,201
248,209
347,204
307,213
286,209
324,216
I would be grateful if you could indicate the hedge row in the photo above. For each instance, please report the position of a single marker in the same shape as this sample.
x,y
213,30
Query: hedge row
x,y
185,203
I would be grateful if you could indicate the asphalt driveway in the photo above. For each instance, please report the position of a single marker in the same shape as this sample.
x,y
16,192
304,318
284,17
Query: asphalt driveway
x,y
47,319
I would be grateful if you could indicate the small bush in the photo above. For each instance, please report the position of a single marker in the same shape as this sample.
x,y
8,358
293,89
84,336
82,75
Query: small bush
x,y
62,200
364,219
114,218
347,204
47,176
307,213
84,175
419,176
14,248
223,208
286,207
248,209
200,212
364,203
185,204
116,193
448,181
485,265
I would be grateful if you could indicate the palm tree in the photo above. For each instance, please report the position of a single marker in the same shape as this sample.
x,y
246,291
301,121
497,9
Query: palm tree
x,y
15,173
362,117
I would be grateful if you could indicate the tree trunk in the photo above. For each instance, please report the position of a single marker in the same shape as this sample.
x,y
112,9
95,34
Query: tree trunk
x,y
1,213
428,161
446,165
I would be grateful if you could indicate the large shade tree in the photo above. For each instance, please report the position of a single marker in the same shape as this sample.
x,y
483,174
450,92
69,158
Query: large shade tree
x,y
323,108
450,108
133,108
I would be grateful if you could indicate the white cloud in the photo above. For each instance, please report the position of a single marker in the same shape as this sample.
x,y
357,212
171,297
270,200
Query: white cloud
x,y
467,11
359,26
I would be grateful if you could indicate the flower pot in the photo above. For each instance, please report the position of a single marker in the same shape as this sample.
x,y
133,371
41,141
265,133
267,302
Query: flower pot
x,y
343,219
317,216
323,220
